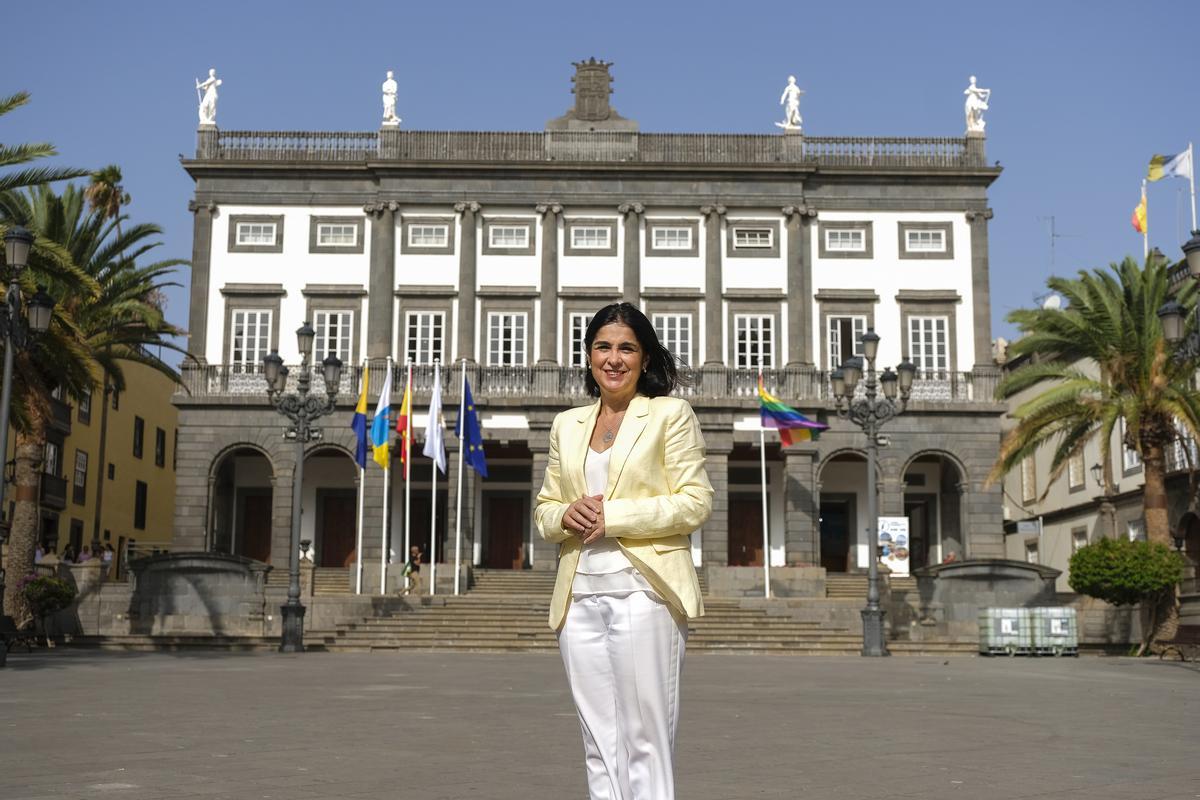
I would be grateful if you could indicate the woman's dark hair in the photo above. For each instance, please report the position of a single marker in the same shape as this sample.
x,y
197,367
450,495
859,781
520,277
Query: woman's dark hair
x,y
660,377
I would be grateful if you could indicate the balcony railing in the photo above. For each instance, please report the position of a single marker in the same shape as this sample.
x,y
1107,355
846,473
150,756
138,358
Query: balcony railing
x,y
566,384
53,491
596,147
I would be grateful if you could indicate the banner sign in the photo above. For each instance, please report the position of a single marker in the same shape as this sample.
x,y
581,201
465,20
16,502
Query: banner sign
x,y
894,544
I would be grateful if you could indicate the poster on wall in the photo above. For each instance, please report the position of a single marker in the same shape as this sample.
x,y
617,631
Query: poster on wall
x,y
894,544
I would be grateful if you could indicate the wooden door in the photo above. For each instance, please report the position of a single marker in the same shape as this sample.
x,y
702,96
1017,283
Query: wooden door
x,y
745,531
835,535
505,524
336,535
920,530
255,531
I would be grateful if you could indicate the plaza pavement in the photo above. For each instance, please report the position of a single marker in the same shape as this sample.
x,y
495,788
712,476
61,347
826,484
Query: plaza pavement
x,y
419,726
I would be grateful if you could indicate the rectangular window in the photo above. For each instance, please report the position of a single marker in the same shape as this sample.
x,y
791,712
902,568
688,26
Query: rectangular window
x,y
667,238
139,506
250,338
845,339
1078,539
508,236
755,345
1130,459
139,436
52,459
1028,480
846,240
929,346
424,336
337,234
423,235
506,339
1135,529
79,493
1075,471
160,447
1031,552
577,356
925,241
753,238
675,332
260,234
85,406
591,237
334,330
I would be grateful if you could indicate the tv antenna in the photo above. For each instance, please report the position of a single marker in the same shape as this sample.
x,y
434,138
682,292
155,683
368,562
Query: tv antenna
x,y
1054,237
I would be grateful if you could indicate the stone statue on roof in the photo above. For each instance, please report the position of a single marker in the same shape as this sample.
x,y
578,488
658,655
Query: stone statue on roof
x,y
790,100
977,103
208,103
389,101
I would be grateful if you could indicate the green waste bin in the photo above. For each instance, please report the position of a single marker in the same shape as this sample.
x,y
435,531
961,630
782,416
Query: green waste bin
x,y
1005,631
1055,632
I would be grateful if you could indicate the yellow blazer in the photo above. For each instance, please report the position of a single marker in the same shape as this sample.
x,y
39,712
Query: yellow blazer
x,y
657,494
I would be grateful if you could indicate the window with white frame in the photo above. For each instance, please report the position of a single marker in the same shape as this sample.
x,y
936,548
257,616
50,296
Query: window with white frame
x,y
846,240
577,325
1078,539
506,338
924,241
79,481
337,234
250,338
753,238
1129,455
424,334
52,459
929,345
1075,471
672,238
1182,453
845,338
506,236
428,235
754,341
675,333
1028,480
334,331
1135,529
256,233
591,237
1031,552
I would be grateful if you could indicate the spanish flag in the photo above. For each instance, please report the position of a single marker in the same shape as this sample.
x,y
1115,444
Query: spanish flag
x,y
785,419
1176,166
1139,216
402,422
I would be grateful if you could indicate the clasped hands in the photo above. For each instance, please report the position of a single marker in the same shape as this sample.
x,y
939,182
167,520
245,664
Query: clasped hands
x,y
585,518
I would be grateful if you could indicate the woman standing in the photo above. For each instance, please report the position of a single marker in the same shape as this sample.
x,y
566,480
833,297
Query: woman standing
x,y
625,485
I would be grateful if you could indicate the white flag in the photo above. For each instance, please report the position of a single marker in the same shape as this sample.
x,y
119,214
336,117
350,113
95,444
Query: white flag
x,y
435,444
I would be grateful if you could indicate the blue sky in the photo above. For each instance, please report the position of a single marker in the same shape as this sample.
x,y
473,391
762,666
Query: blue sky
x,y
1083,93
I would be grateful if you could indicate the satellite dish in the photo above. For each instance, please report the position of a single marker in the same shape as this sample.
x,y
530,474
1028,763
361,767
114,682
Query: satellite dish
x,y
1052,302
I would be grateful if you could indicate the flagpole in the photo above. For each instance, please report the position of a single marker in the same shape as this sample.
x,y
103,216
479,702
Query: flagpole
x,y
408,463
358,527
387,490
1192,179
437,381
762,452
462,432
1146,225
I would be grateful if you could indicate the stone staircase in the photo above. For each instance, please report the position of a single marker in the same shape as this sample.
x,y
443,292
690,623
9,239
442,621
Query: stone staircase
x,y
332,581
845,586
506,611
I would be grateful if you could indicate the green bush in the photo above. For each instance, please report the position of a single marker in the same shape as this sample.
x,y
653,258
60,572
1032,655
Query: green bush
x,y
1122,572
46,595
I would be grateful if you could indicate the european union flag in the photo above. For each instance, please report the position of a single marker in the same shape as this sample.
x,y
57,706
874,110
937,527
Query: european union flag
x,y
473,441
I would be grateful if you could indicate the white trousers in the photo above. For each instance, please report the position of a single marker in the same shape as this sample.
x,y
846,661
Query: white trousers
x,y
623,657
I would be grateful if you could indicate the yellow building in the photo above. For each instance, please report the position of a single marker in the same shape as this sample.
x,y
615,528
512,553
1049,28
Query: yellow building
x,y
109,468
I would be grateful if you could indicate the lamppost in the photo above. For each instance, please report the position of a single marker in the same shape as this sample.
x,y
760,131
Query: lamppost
x,y
16,331
1173,315
1106,505
870,412
302,410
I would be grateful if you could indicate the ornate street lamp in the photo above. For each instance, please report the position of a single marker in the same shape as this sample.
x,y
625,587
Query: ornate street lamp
x,y
16,333
302,410
1174,316
870,412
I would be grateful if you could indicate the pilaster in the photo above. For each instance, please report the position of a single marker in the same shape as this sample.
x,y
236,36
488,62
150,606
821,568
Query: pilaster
x,y
548,332
801,505
713,306
202,215
631,279
799,284
981,302
714,535
382,279
468,212
543,555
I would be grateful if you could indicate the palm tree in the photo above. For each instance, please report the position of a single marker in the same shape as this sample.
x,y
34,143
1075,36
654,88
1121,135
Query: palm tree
x,y
103,318
1110,322
15,155
106,195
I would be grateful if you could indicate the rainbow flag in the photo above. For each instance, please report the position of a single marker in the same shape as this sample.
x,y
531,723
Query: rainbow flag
x,y
785,419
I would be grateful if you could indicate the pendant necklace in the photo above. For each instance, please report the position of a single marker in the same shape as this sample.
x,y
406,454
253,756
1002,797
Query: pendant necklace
x,y
611,433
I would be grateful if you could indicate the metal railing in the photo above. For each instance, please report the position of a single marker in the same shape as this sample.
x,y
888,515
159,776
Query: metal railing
x,y
555,383
599,147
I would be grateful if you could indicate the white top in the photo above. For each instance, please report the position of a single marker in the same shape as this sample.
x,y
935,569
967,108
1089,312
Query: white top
x,y
603,566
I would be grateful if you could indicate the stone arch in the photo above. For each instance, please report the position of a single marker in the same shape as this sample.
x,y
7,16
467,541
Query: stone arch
x,y
329,503
240,516
857,453
943,454
935,510
228,449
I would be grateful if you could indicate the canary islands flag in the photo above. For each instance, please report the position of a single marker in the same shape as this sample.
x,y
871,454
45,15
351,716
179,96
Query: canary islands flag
x,y
473,439
358,424
380,430
785,419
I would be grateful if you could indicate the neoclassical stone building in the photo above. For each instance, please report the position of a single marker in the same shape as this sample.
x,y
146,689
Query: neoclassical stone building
x,y
747,251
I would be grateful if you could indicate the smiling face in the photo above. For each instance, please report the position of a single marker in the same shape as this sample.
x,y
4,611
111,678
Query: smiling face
x,y
616,359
